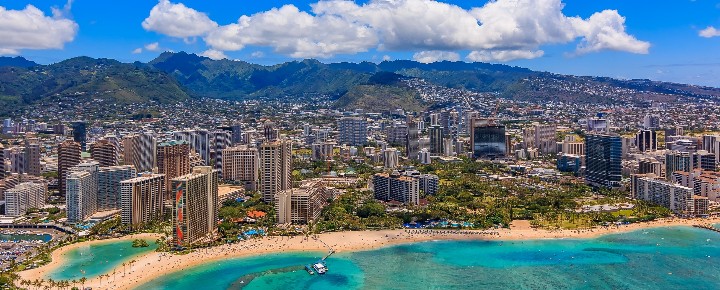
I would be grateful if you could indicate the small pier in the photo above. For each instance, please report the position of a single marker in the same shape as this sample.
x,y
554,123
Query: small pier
x,y
320,266
707,227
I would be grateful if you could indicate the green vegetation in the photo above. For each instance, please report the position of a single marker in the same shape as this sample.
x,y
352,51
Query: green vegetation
x,y
107,228
84,77
162,245
468,198
381,97
50,174
178,76
354,211
139,243
232,213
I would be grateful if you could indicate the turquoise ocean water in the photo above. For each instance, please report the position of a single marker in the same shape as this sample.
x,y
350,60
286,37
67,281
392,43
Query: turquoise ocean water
x,y
662,258
92,260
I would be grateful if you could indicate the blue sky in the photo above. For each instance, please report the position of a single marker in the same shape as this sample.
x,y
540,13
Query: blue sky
x,y
659,40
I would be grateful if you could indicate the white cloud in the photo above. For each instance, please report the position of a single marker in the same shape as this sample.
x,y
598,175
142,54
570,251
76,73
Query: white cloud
x,y
503,55
177,20
155,46
152,46
296,33
257,54
508,27
31,29
214,54
710,31
9,51
435,55
500,30
386,58
606,31
63,12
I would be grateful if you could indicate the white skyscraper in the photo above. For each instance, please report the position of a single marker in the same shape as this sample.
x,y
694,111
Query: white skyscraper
x,y
81,191
23,197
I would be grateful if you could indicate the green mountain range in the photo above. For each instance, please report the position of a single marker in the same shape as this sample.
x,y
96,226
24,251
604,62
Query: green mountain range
x,y
173,77
84,77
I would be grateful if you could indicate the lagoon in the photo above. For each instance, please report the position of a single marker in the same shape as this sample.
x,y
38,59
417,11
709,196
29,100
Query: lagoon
x,y
94,259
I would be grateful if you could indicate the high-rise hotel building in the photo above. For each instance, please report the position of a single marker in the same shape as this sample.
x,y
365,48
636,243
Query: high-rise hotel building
x,y
603,160
488,140
412,139
141,199
68,157
32,156
396,187
140,151
195,211
105,152
173,160
353,131
241,164
275,168
23,197
208,144
301,205
108,181
81,191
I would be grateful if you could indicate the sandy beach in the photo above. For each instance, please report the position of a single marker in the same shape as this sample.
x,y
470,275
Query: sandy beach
x,y
152,265
59,255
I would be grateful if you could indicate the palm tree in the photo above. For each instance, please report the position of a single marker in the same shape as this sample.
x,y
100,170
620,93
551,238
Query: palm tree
x,y
14,277
123,264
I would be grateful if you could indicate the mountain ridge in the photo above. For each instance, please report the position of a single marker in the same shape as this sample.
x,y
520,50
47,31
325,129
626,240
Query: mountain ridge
x,y
17,61
177,76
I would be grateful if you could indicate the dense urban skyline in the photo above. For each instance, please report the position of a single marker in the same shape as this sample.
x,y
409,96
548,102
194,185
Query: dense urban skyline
x,y
167,144
623,39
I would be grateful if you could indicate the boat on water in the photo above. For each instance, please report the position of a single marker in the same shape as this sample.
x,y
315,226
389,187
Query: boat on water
x,y
309,269
320,267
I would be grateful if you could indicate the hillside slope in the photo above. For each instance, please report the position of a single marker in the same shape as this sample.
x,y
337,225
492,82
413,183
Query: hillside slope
x,y
85,77
173,77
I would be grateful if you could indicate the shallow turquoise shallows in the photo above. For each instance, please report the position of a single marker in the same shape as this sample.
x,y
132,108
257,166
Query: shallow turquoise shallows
x,y
92,260
661,258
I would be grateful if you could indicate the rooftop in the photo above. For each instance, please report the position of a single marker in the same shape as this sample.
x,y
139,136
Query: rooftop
x,y
172,142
